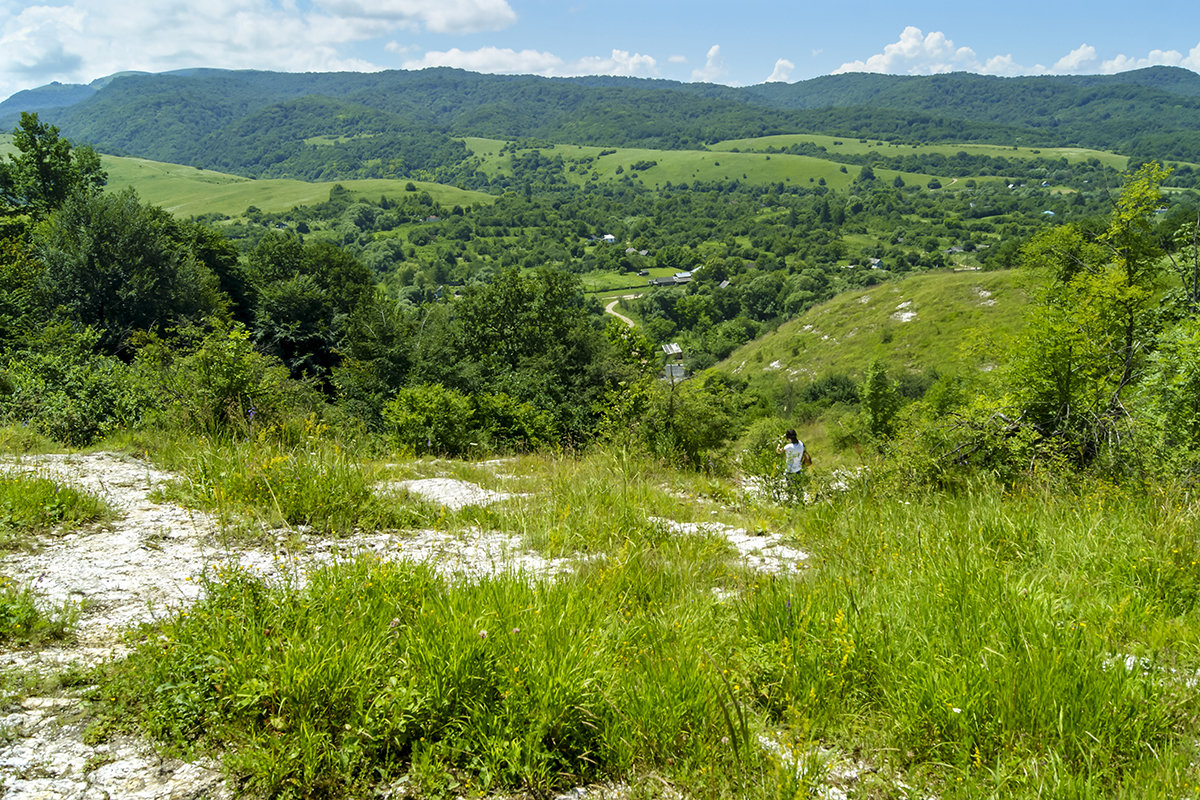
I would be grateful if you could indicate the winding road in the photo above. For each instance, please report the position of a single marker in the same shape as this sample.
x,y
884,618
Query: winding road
x,y
611,308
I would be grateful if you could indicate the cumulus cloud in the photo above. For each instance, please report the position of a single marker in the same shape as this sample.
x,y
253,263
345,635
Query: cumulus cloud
x,y
1155,58
917,53
621,62
1077,59
783,71
535,62
714,66
490,59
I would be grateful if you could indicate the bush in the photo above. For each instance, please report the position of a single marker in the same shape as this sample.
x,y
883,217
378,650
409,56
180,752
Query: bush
x,y
222,385
66,390
429,420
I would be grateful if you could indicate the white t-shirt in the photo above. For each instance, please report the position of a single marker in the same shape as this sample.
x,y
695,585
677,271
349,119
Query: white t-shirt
x,y
794,453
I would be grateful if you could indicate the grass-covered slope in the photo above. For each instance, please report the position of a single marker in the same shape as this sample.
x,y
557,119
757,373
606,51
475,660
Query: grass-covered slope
x,y
188,191
946,322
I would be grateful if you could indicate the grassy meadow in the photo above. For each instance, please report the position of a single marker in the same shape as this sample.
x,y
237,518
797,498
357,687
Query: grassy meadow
x,y
1027,640
685,166
188,191
853,146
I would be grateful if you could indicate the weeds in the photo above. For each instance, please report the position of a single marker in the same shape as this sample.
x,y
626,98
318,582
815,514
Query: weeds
x,y
25,622
31,504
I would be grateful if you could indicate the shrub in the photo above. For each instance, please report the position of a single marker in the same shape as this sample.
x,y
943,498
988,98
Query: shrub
x,y
64,389
429,420
221,385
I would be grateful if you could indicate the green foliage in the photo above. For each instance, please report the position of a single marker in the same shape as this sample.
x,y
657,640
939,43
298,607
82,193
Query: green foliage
x,y
1086,342
62,387
119,266
430,420
306,292
45,170
1173,392
24,622
880,400
32,504
691,422
219,385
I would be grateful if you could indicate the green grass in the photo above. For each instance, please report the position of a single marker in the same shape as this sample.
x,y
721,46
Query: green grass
x,y
687,166
609,281
31,504
958,322
264,484
24,620
188,191
1003,641
853,146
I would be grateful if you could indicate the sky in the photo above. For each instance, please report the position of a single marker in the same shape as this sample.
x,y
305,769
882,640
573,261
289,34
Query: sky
x,y
737,43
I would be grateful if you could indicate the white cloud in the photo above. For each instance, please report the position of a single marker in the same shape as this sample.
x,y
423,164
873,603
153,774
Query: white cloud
x,y
714,66
621,62
534,62
917,53
439,16
1075,60
677,59
490,59
1168,58
783,71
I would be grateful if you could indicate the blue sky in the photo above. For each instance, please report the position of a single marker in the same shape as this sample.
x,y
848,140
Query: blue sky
x,y
736,42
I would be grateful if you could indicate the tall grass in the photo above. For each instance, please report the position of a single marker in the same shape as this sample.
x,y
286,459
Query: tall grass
x,y
1000,642
25,621
315,483
32,504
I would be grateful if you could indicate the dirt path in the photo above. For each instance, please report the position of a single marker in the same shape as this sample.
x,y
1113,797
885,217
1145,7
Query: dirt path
x,y
611,308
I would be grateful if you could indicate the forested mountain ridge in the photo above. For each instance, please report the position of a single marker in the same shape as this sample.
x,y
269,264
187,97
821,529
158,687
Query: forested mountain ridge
x,y
260,123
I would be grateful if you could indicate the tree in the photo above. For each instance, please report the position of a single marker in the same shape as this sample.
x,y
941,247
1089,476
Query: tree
x,y
880,400
306,294
120,266
1088,336
45,170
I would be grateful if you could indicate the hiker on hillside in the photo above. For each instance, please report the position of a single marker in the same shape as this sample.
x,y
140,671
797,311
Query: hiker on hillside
x,y
793,451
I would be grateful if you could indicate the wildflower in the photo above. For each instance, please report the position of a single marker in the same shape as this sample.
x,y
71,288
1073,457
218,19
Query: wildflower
x,y
483,634
516,631
724,740
394,623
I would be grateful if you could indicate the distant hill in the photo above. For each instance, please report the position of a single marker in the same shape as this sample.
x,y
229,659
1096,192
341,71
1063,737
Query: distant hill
x,y
404,123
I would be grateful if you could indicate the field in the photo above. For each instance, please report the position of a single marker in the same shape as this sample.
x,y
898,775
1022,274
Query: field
x,y
954,321
685,166
854,146
188,191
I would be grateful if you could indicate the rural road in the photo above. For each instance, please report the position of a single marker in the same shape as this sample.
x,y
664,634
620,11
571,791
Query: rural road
x,y
611,308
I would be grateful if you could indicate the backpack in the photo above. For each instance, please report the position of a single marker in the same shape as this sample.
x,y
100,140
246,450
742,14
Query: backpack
x,y
805,459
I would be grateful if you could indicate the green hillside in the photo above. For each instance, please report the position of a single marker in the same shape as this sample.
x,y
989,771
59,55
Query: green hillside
x,y
948,322
408,124
656,168
858,147
188,191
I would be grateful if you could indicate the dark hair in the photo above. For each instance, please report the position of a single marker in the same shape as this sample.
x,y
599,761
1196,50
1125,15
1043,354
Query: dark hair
x,y
790,433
